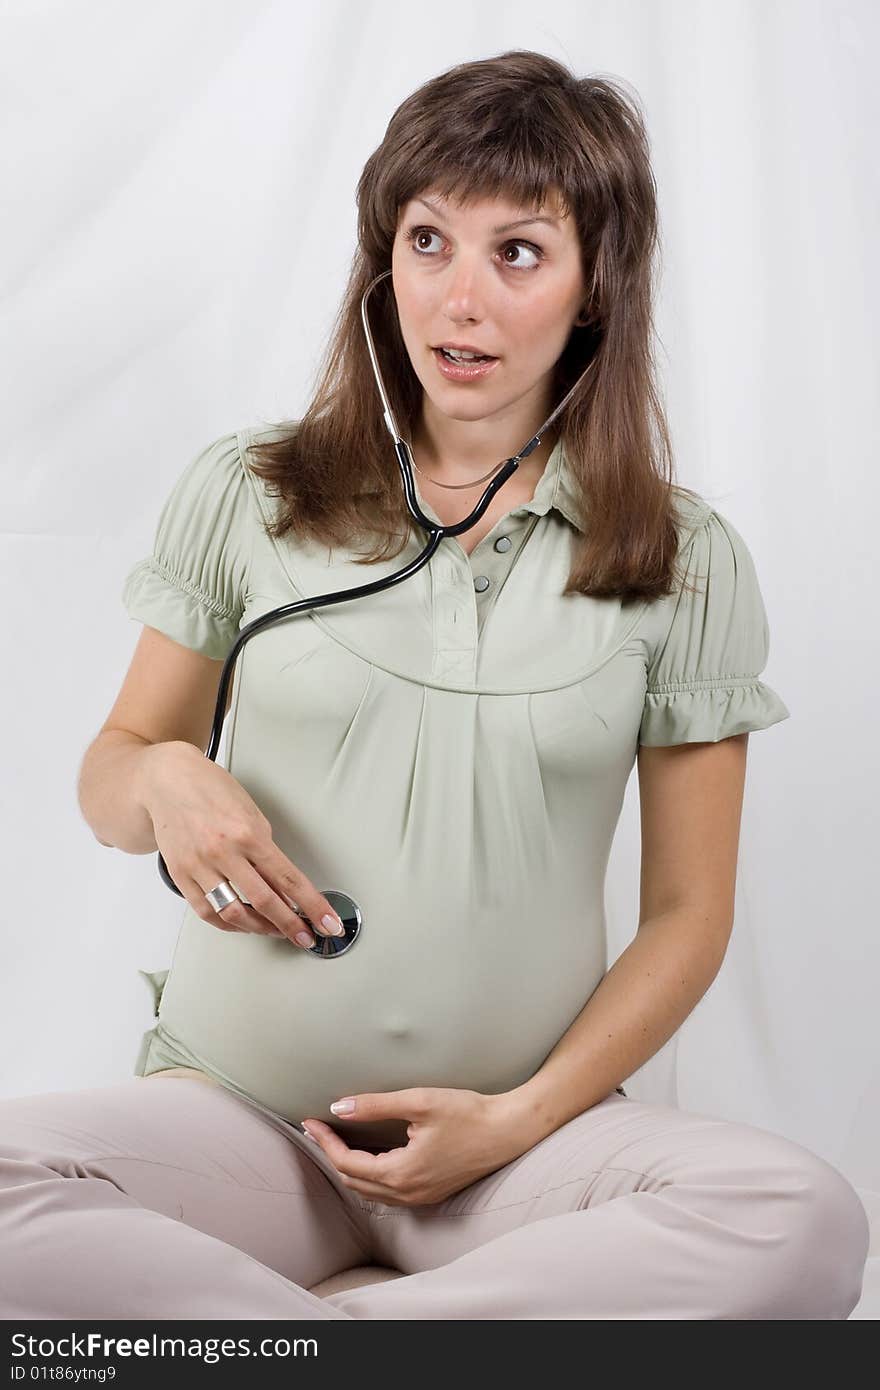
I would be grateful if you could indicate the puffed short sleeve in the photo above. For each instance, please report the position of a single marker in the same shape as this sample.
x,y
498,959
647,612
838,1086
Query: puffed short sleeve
x,y
192,586
703,681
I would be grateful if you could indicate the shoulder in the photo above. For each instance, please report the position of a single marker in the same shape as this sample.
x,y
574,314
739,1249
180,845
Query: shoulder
x,y
210,473
709,542
224,459
260,433
191,585
692,513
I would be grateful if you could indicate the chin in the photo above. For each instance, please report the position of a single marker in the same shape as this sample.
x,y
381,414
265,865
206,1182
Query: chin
x,y
477,412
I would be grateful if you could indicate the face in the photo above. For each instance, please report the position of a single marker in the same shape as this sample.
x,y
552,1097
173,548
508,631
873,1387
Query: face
x,y
463,276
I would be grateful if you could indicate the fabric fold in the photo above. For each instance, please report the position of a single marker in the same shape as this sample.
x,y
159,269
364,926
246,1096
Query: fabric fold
x,y
702,682
192,586
165,601
709,713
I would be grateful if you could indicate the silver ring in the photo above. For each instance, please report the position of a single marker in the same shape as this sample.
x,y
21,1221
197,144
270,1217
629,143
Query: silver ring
x,y
222,895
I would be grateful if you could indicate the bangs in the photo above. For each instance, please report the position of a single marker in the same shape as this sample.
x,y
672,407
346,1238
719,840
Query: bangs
x,y
532,187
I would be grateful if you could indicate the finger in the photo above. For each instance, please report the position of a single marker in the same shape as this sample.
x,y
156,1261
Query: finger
x,y
354,1163
195,896
413,1103
237,916
285,883
376,1191
267,906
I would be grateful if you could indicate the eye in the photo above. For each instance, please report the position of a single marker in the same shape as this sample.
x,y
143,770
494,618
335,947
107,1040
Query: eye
x,y
415,234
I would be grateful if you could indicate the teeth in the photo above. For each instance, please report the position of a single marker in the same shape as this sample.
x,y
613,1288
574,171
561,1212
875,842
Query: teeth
x,y
462,356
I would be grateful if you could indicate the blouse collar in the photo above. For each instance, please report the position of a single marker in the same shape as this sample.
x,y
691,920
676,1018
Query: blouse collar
x,y
556,489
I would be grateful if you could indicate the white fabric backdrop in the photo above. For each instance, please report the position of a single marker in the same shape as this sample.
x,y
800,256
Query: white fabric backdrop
x,y
179,182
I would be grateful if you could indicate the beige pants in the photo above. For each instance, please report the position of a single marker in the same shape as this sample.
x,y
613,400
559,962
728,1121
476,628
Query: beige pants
x,y
181,1199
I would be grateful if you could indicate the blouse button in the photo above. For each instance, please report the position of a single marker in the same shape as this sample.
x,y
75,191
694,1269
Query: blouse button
x,y
481,583
503,543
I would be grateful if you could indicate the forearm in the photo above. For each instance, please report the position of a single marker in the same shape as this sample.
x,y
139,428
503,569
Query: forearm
x,y
112,789
637,1006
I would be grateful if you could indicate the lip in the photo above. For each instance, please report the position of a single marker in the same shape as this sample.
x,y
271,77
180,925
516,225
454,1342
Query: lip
x,y
463,371
464,347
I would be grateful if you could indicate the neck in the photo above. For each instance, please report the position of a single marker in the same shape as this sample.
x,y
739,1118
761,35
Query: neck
x,y
453,470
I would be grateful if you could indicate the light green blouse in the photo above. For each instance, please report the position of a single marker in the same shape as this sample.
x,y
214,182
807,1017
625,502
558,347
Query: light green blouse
x,y
452,752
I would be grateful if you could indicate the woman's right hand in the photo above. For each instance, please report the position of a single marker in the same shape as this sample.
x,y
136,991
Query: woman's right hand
x,y
208,828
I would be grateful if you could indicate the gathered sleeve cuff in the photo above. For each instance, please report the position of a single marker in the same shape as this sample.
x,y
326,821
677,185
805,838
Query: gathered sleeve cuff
x,y
703,681
192,585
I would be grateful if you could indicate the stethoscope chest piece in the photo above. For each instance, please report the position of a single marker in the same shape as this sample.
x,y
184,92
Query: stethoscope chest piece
x,y
329,947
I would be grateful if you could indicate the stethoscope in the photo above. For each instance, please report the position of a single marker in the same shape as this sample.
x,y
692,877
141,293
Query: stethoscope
x,y
329,947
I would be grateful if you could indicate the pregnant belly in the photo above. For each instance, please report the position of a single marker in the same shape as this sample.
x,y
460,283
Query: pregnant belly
x,y
476,1010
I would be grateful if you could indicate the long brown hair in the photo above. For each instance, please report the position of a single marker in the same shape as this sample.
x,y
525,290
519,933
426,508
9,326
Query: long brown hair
x,y
521,125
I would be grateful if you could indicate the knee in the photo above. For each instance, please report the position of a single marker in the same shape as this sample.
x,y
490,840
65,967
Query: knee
x,y
825,1243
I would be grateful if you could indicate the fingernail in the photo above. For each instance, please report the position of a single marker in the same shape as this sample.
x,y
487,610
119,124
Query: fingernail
x,y
343,1107
305,938
333,925
309,1135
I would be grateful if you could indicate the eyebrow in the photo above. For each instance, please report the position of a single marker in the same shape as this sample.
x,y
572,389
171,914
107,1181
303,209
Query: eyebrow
x,y
505,227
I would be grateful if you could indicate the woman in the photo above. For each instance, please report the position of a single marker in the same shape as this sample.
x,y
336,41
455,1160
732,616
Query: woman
x,y
454,753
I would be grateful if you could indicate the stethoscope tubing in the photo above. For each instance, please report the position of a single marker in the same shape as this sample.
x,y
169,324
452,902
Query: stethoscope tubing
x,y
329,947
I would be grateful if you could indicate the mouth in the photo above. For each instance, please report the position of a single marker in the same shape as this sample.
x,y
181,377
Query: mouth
x,y
471,370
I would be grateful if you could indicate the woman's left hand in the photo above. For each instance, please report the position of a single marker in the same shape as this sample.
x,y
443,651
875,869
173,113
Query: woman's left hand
x,y
455,1137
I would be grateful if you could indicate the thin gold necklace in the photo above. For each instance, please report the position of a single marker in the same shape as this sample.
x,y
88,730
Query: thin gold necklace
x,y
455,487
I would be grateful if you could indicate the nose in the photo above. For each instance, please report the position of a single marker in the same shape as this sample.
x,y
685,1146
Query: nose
x,y
464,298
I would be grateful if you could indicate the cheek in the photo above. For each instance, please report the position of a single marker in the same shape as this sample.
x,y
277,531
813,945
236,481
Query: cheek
x,y
412,309
551,324
537,333
531,354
